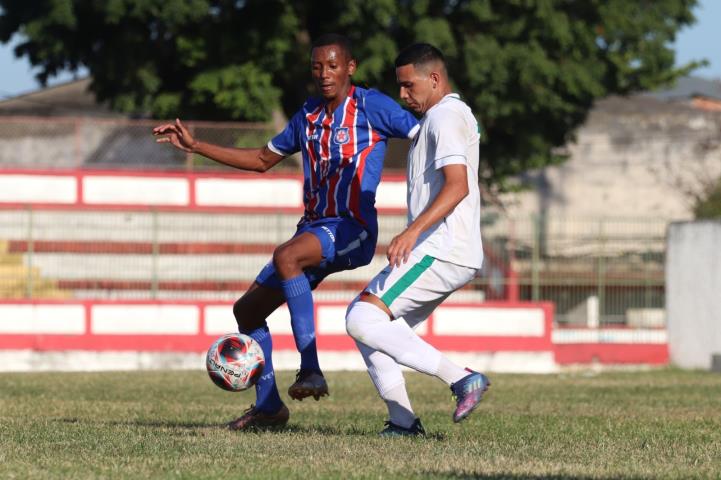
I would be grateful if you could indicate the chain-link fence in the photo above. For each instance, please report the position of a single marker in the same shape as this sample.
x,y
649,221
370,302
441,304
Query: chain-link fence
x,y
595,271
602,271
71,143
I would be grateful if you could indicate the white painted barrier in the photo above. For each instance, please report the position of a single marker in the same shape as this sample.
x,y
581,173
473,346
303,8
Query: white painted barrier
x,y
242,191
494,336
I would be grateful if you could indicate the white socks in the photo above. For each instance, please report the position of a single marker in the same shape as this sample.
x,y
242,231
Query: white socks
x,y
370,325
388,380
449,372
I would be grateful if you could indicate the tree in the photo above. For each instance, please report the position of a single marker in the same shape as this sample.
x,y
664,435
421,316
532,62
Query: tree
x,y
705,191
709,206
531,69
694,174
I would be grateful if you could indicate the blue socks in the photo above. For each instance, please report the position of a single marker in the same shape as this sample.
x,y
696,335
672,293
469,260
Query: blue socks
x,y
300,303
266,392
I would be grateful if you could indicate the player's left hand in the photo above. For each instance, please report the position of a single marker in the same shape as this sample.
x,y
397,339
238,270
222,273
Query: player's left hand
x,y
401,246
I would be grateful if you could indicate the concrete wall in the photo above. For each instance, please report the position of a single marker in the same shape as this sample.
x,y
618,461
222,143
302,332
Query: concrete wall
x,y
101,335
693,292
634,157
121,335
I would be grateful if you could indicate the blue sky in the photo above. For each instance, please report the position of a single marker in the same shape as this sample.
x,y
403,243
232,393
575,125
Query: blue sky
x,y
696,42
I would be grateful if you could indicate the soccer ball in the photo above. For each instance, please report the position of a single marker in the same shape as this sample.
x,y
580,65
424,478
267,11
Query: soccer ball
x,y
235,362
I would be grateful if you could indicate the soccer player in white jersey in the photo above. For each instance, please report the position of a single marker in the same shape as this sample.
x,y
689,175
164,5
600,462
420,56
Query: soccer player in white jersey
x,y
438,252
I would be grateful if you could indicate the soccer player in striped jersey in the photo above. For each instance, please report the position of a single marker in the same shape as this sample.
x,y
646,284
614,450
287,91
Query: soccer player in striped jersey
x,y
342,137
438,252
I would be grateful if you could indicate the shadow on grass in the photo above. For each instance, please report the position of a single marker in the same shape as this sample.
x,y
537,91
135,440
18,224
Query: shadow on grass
x,y
350,431
144,423
292,428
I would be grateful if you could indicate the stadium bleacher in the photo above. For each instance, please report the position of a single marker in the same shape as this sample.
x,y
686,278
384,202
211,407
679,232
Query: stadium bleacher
x,y
127,248
131,254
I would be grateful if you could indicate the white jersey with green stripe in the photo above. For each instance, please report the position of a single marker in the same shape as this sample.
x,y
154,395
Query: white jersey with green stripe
x,y
449,134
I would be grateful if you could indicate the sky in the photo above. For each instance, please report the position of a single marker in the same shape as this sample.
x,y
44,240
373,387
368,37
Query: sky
x,y
693,43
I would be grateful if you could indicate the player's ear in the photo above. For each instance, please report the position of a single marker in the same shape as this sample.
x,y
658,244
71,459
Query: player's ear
x,y
435,78
351,66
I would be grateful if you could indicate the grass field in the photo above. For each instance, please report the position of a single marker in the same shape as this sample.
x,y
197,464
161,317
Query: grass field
x,y
660,424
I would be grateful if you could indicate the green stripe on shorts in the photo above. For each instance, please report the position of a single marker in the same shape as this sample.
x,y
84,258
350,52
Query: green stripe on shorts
x,y
406,280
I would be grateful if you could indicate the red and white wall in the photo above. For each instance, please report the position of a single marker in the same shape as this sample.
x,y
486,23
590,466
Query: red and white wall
x,y
101,335
114,189
97,335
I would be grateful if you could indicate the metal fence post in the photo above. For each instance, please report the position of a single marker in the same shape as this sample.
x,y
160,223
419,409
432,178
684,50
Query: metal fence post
x,y
647,290
601,272
155,255
536,258
77,143
278,226
29,284
512,288
189,156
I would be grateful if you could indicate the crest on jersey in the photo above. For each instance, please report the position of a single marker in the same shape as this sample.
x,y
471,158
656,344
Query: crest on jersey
x,y
341,135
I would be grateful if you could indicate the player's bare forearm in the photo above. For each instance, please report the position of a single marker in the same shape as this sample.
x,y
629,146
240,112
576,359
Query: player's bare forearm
x,y
253,159
455,189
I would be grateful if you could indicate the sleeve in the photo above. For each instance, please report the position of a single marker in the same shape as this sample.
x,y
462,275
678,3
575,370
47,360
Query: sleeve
x,y
386,116
287,142
449,132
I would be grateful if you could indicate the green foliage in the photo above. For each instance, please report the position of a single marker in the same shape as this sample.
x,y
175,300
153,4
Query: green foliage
x,y
531,69
709,205
238,91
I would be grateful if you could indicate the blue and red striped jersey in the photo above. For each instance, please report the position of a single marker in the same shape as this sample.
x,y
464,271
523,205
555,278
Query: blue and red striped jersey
x,y
343,152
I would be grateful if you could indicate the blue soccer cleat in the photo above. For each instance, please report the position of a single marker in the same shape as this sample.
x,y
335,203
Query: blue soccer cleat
x,y
393,430
468,393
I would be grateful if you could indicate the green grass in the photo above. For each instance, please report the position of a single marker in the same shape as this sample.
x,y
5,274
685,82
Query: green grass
x,y
660,424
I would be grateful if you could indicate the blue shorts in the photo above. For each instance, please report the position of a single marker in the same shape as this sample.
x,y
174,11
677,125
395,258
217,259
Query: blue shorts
x,y
345,245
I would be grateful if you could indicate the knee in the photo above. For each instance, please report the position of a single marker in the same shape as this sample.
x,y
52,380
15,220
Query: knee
x,y
247,322
284,257
238,312
360,319
354,320
240,318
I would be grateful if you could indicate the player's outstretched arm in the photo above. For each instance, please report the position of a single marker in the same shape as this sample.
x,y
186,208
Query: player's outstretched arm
x,y
455,189
253,159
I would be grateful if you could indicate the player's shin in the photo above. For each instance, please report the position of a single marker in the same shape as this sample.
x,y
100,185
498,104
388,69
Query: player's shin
x,y
388,379
300,304
267,395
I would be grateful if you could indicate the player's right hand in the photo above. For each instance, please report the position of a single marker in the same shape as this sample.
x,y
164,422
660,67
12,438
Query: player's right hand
x,y
401,246
176,134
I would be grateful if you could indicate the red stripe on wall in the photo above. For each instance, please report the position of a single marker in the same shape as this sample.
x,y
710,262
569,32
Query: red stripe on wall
x,y
564,354
611,353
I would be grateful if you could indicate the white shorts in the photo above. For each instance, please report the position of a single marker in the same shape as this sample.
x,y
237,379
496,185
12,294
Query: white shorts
x,y
413,290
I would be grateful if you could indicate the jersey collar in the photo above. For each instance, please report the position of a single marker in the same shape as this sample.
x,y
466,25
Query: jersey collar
x,y
448,96
350,93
